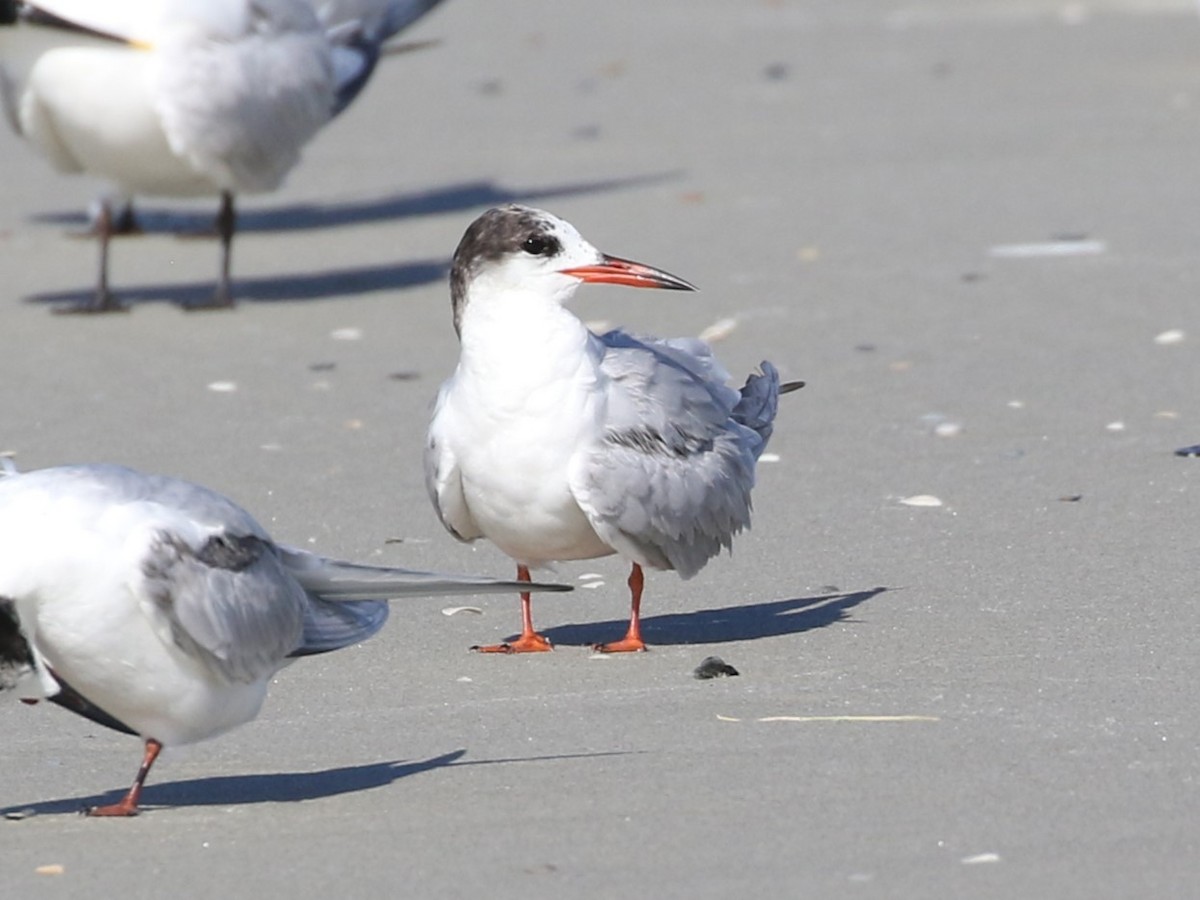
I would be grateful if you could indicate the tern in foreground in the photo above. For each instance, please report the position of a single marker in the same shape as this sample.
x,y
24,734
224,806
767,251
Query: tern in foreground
x,y
557,444
160,608
180,98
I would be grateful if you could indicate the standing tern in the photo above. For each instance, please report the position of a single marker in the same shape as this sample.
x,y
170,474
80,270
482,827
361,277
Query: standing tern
x,y
160,608
557,444
358,33
182,98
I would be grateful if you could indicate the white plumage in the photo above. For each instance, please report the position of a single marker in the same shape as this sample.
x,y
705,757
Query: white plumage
x,y
185,98
557,444
160,608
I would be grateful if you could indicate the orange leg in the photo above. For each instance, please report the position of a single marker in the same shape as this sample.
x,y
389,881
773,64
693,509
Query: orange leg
x,y
128,806
633,638
529,641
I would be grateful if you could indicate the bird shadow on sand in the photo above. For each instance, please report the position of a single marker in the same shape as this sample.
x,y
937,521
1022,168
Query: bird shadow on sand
x,y
745,622
297,217
271,289
277,787
451,198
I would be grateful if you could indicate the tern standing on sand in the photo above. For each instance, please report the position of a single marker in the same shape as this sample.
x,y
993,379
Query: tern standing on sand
x,y
159,608
185,98
557,444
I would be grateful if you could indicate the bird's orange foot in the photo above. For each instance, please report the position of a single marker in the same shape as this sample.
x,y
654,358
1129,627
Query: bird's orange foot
x,y
124,808
526,643
627,644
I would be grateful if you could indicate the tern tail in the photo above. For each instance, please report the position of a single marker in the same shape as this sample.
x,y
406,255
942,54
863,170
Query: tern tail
x,y
760,402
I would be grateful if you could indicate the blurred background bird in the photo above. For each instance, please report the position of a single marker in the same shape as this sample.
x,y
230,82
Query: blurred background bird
x,y
185,98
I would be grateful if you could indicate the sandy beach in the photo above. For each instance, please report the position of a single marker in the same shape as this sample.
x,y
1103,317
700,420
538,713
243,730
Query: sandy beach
x,y
964,624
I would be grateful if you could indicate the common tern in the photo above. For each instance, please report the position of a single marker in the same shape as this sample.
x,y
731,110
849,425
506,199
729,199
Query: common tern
x,y
177,98
160,608
558,444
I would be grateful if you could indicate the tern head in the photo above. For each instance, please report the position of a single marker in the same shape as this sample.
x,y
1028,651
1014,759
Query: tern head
x,y
520,249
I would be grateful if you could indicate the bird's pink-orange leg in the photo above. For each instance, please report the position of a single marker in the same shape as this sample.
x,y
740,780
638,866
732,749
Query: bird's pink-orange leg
x,y
529,641
633,638
128,805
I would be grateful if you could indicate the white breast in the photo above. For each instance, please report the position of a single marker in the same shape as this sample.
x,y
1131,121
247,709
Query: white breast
x,y
91,109
520,406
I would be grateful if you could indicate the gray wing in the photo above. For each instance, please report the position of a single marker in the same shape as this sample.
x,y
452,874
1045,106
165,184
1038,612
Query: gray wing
x,y
378,19
357,31
335,580
348,601
240,110
669,484
227,600
332,626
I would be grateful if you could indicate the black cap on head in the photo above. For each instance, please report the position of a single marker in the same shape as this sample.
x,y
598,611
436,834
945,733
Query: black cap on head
x,y
495,234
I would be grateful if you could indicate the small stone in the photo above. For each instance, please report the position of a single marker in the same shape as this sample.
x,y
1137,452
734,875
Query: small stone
x,y
713,667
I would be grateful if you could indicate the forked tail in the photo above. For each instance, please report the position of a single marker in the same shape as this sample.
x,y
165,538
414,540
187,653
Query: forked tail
x,y
760,402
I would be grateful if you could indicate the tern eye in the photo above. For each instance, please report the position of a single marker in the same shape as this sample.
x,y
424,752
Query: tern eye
x,y
540,245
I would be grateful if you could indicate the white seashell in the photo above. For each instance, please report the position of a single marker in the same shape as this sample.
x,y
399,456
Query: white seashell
x,y
981,858
719,330
1170,336
455,610
222,387
921,500
1047,249
346,334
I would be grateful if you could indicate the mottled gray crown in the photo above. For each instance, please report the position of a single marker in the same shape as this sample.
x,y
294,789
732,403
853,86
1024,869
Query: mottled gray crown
x,y
497,233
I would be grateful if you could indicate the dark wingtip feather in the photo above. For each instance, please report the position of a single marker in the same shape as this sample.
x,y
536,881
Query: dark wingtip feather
x,y
759,402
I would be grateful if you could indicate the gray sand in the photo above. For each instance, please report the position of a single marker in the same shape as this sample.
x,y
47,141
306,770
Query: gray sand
x,y
836,177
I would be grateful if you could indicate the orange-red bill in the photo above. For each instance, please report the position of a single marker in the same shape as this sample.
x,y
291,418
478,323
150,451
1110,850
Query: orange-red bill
x,y
614,270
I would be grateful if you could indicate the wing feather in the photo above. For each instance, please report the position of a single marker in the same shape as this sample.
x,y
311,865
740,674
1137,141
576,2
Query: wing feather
x,y
227,600
669,486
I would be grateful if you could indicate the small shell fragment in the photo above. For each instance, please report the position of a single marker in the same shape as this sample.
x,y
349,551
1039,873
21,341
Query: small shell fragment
x,y
53,869
346,334
948,429
981,858
1072,246
921,500
1170,336
719,330
1115,426
222,387
769,458
455,610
